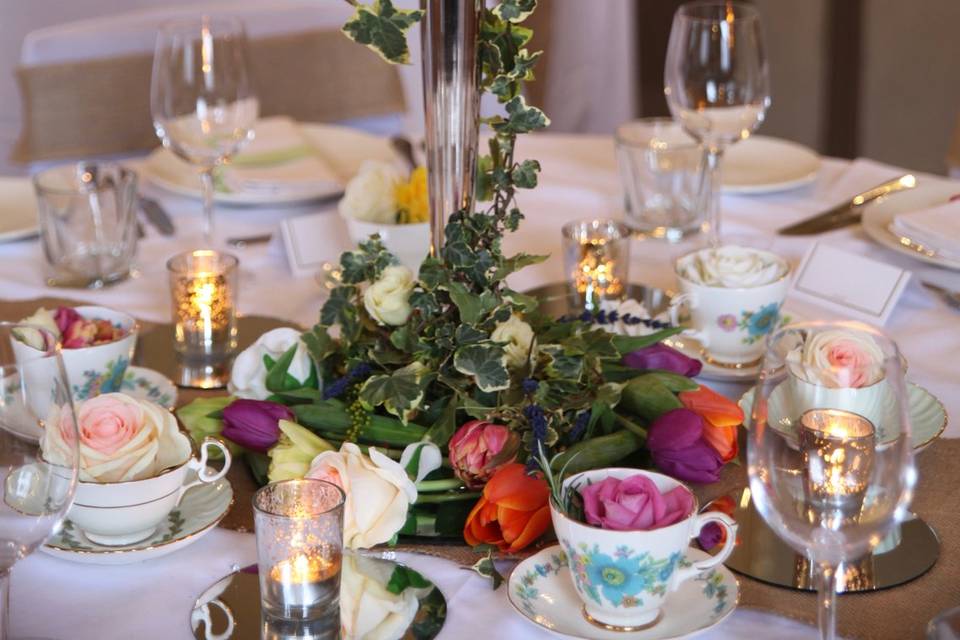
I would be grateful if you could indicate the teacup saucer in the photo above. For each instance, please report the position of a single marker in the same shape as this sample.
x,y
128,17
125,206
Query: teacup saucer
x,y
146,384
928,418
540,589
199,512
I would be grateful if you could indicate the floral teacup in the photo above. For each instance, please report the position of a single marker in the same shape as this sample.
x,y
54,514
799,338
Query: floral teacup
x,y
623,577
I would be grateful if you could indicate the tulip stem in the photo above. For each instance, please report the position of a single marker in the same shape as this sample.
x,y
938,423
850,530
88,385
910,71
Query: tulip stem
x,y
632,427
433,498
429,486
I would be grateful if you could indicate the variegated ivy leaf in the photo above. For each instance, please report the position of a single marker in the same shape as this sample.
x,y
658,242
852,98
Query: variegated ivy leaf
x,y
514,10
383,28
522,118
400,392
525,174
487,363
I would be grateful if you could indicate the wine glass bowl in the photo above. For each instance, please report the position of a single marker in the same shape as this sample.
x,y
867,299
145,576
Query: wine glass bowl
x,y
201,97
829,453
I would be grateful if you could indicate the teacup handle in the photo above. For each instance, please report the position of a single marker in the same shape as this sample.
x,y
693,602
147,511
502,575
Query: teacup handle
x,y
200,466
729,525
203,615
691,300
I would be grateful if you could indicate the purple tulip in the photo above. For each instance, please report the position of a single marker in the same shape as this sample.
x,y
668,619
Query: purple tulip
x,y
253,423
676,443
660,356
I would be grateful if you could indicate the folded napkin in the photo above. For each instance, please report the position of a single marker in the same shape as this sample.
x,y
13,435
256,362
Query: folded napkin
x,y
936,228
279,161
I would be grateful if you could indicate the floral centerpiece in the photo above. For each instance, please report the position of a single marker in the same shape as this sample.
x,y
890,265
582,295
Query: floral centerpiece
x,y
444,393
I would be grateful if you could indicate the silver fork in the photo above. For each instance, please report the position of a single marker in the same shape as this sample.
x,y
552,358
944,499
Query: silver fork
x,y
952,298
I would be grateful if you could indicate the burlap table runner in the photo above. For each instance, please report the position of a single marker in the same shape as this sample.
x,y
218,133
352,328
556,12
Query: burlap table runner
x,y
898,613
102,106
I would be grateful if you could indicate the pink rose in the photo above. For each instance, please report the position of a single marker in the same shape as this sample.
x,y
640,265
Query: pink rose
x,y
848,356
634,504
839,359
479,448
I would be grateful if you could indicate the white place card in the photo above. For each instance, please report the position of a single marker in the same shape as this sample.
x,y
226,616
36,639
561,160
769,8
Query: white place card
x,y
849,284
311,240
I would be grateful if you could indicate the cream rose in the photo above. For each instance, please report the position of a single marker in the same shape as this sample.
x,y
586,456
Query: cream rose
x,y
41,318
518,337
367,610
388,299
370,195
248,378
121,438
379,493
838,359
732,267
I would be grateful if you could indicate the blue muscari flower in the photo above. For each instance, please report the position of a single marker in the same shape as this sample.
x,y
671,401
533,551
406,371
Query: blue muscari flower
x,y
529,386
538,422
579,426
339,386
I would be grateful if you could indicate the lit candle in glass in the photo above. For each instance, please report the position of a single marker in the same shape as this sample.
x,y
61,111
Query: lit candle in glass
x,y
203,288
597,260
837,448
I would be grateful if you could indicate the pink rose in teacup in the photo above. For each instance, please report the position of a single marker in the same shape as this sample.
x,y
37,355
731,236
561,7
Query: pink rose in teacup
x,y
839,359
121,439
634,504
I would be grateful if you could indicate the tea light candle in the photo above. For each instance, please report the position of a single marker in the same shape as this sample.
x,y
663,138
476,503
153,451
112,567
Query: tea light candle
x,y
837,448
597,259
203,291
597,273
306,579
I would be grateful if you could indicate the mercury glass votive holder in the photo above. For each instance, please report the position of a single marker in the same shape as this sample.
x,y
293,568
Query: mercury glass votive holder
x,y
299,527
596,260
203,289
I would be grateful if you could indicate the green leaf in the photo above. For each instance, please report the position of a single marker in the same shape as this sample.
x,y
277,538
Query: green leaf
x,y
404,578
431,273
467,303
445,426
468,335
525,174
487,363
399,392
319,343
339,307
629,344
673,381
383,28
515,263
514,10
647,398
486,568
599,452
277,377
523,118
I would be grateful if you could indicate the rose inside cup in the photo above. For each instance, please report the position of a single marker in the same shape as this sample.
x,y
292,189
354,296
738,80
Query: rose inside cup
x,y
733,295
135,464
628,554
97,346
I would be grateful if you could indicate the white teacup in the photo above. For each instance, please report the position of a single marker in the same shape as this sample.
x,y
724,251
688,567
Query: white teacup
x,y
410,243
623,577
731,323
119,513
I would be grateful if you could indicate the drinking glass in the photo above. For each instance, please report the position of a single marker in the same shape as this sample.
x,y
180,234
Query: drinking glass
x,y
716,83
829,454
201,98
39,479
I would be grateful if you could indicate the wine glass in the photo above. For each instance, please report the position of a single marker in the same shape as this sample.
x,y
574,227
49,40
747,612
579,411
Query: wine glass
x,y
829,453
38,481
202,102
716,83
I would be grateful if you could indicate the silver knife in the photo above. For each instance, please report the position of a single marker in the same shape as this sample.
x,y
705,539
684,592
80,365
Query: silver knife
x,y
157,216
849,212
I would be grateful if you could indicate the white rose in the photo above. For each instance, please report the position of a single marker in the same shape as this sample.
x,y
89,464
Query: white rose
x,y
732,267
41,318
838,359
367,610
518,337
369,196
379,493
121,438
388,299
248,378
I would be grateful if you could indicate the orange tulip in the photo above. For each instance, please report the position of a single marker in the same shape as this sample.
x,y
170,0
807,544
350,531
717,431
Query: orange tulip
x,y
512,512
722,416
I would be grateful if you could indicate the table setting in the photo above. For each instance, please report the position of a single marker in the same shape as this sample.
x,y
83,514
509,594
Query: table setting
x,y
278,379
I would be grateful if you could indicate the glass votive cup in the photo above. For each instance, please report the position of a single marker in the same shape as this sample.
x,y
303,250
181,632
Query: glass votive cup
x,y
596,260
88,223
664,178
203,289
299,527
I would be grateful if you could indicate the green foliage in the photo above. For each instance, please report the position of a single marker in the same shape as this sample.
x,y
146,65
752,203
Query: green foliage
x,y
383,28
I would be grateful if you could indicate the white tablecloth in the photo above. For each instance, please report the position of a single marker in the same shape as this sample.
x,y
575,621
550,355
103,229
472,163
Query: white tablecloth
x,y
55,598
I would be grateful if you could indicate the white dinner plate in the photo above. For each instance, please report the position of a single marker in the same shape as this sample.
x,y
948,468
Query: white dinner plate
x,y
761,164
18,209
343,149
928,193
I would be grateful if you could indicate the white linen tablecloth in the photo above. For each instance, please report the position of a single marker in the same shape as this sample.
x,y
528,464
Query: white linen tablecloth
x,y
55,598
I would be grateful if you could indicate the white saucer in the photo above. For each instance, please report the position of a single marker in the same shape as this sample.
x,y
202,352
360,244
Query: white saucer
x,y
761,164
198,513
146,384
541,590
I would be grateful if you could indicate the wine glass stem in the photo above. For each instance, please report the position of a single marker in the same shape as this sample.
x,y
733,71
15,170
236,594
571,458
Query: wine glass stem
x,y
206,186
827,601
714,155
4,604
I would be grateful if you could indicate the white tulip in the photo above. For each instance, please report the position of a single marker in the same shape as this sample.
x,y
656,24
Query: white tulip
x,y
378,491
248,378
388,299
430,458
370,195
367,610
518,337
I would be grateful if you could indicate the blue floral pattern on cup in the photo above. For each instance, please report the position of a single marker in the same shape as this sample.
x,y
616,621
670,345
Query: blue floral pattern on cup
x,y
623,577
107,381
526,589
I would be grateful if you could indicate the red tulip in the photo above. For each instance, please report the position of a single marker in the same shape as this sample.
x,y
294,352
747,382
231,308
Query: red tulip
x,y
478,449
722,416
512,512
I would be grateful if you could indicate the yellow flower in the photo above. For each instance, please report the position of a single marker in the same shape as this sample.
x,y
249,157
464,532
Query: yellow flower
x,y
291,457
411,197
